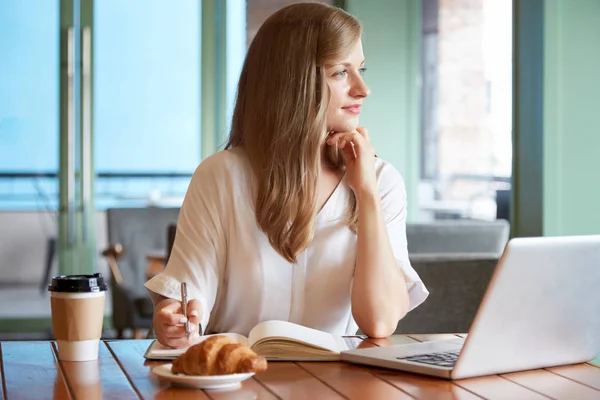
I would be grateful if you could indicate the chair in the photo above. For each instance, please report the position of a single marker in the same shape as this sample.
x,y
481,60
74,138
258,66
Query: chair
x,y
50,253
139,231
503,204
455,260
171,231
456,284
460,236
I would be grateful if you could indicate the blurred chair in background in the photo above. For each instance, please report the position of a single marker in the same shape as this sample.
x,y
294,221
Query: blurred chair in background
x,y
171,231
503,204
459,236
455,260
140,232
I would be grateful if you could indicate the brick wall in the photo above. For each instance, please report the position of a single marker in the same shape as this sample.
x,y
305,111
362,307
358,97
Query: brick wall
x,y
474,89
463,138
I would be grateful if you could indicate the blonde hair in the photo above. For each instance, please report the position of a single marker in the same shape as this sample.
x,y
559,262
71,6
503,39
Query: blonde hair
x,y
280,118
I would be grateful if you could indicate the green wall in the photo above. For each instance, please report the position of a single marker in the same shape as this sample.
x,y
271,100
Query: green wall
x,y
571,117
556,140
391,113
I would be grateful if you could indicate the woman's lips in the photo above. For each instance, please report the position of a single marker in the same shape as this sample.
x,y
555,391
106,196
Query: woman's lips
x,y
352,109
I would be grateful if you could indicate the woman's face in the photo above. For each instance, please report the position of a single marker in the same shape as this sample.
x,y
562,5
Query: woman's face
x,y
347,90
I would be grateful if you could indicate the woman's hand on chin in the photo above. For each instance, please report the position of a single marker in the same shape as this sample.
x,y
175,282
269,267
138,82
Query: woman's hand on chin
x,y
359,157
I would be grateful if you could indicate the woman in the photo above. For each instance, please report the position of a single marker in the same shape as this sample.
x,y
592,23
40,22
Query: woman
x,y
297,220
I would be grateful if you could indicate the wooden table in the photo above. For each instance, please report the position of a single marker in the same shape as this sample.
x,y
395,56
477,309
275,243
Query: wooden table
x,y
30,370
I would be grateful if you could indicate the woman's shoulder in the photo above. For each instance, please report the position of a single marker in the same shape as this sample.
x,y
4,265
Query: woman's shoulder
x,y
387,174
391,187
221,177
230,163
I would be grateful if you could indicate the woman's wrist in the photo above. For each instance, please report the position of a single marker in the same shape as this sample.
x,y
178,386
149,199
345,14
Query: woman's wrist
x,y
367,196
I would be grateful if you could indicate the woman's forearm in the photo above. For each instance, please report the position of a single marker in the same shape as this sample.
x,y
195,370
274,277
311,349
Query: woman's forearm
x,y
379,294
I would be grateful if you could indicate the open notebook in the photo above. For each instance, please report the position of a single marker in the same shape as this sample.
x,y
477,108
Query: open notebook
x,y
276,340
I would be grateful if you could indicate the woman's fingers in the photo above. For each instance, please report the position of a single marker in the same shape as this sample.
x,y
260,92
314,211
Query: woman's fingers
x,y
169,313
169,322
359,156
169,305
364,132
358,137
348,146
175,336
342,137
352,143
178,331
177,343
353,149
194,309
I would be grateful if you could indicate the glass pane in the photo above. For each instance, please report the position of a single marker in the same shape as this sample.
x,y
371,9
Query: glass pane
x,y
29,133
466,108
146,99
28,104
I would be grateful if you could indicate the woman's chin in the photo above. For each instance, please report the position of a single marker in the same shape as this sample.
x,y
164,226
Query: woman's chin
x,y
344,127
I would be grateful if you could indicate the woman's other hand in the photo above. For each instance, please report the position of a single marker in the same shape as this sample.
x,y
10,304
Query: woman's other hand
x,y
359,158
169,322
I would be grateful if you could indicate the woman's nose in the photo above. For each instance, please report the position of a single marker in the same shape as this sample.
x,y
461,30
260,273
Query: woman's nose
x,y
360,88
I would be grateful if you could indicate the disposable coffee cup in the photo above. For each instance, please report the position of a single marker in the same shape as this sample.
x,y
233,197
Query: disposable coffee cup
x,y
77,303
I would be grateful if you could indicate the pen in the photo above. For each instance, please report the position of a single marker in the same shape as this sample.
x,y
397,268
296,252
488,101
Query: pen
x,y
184,308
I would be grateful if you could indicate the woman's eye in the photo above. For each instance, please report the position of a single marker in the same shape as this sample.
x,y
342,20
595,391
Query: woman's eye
x,y
344,73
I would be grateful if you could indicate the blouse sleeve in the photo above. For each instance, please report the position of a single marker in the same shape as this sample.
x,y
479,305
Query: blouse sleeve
x,y
198,251
393,199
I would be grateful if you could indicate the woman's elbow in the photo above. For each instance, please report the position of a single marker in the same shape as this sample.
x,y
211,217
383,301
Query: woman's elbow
x,y
382,325
379,329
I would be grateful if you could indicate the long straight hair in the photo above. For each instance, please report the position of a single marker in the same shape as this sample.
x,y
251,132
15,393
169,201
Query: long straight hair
x,y
280,118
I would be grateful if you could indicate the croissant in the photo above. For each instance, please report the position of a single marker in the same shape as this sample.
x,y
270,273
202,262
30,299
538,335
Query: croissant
x,y
218,355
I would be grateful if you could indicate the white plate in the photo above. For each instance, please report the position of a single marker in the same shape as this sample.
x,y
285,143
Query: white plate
x,y
201,382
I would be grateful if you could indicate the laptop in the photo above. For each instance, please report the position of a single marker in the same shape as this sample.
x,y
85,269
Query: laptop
x,y
540,310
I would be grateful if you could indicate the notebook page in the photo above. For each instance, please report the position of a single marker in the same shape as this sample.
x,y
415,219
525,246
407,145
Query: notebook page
x,y
298,332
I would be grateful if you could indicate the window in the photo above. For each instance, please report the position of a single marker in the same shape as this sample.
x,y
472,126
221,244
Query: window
x,y
466,107
146,100
29,108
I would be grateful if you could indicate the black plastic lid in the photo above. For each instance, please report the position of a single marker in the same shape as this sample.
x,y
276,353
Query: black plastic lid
x,y
78,283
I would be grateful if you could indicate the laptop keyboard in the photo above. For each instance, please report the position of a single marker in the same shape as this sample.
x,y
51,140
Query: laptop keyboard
x,y
443,359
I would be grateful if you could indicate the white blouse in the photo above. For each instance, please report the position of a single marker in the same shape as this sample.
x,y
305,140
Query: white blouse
x,y
240,280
